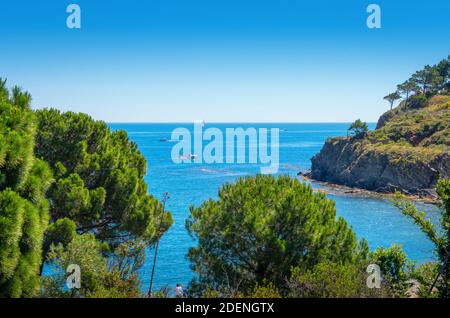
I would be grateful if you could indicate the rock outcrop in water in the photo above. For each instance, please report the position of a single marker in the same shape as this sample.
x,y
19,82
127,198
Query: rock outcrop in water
x,y
408,152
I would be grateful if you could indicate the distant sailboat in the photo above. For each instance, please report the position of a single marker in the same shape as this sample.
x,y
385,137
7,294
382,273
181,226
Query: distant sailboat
x,y
200,122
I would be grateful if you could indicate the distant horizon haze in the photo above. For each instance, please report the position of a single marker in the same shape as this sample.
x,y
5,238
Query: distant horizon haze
x,y
233,122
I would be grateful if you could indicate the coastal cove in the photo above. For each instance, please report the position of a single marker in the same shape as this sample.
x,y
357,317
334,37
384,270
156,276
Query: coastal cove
x,y
373,218
225,156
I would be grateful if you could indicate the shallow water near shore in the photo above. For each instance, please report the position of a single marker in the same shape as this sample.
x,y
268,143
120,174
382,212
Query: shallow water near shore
x,y
375,219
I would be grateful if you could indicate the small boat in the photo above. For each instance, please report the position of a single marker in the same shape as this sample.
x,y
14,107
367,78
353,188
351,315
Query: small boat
x,y
164,140
188,156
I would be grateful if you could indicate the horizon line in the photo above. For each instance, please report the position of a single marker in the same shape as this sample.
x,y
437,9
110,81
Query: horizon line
x,y
231,122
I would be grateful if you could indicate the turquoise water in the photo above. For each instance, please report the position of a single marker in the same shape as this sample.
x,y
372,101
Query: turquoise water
x,y
189,184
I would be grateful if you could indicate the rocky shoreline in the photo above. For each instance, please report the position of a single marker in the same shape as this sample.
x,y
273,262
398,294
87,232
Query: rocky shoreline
x,y
338,189
408,152
359,165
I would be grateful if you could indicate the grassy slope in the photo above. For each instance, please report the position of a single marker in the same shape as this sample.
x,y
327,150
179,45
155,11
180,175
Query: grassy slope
x,y
408,152
413,134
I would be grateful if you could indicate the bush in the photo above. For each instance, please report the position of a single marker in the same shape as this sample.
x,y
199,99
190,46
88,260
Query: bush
x,y
425,275
395,267
358,129
99,278
417,101
333,280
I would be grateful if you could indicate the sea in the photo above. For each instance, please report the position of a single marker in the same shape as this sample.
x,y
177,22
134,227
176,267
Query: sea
x,y
189,184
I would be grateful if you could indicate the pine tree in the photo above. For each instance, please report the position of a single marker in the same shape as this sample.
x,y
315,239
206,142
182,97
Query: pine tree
x,y
261,227
23,207
99,181
441,239
407,88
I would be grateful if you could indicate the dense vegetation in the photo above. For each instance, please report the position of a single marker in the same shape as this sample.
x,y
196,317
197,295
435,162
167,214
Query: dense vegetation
x,y
24,180
358,129
423,118
441,240
68,182
431,80
99,178
267,230
278,234
410,148
275,237
112,277
419,129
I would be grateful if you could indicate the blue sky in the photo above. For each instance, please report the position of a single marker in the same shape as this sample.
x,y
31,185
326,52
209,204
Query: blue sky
x,y
219,60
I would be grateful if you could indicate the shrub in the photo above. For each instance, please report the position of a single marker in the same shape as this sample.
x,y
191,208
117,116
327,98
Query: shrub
x,y
417,101
333,280
358,129
99,278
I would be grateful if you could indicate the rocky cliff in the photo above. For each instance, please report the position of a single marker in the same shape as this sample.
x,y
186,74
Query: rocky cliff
x,y
408,152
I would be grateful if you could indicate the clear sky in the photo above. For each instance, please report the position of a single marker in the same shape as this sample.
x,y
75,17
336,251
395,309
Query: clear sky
x,y
219,60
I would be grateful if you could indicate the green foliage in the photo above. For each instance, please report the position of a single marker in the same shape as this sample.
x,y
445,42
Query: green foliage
x,y
412,138
20,98
425,275
333,280
61,232
419,127
99,189
358,129
128,258
422,85
16,145
259,228
441,240
417,101
99,178
392,262
407,88
391,98
430,81
395,267
23,207
98,278
4,92
264,290
163,292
